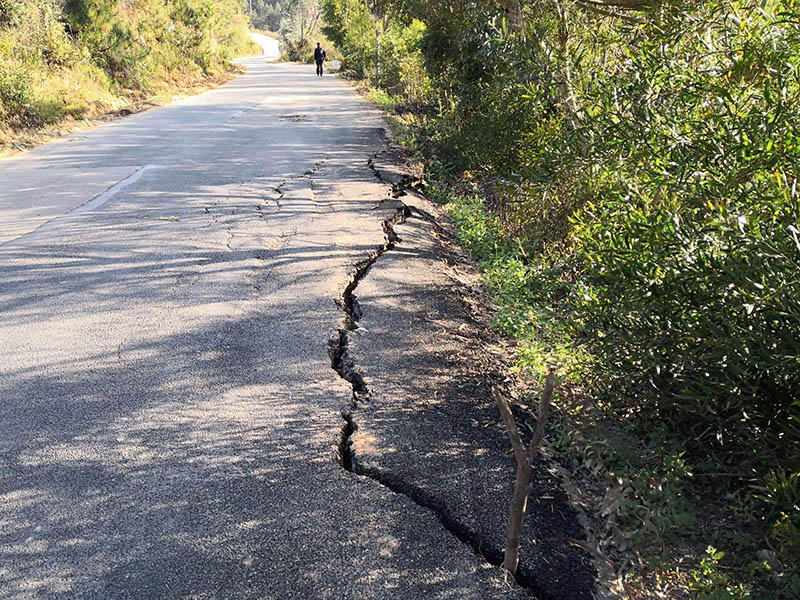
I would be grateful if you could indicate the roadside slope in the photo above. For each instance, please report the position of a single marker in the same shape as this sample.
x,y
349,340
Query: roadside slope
x,y
86,61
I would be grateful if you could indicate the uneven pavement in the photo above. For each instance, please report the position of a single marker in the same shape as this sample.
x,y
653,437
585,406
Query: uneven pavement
x,y
424,422
172,424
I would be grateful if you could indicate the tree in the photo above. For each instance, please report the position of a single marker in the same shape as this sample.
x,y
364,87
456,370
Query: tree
x,y
300,22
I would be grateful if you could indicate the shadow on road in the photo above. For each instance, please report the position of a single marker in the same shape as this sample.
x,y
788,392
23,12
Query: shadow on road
x,y
170,417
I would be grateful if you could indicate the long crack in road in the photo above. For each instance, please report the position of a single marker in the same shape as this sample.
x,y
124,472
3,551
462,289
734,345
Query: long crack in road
x,y
172,426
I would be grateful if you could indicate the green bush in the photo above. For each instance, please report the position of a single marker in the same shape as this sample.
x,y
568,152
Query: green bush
x,y
184,35
11,12
647,178
108,39
696,318
16,97
689,255
72,57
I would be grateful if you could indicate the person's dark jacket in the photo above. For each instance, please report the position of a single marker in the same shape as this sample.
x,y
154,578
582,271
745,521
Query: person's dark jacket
x,y
319,55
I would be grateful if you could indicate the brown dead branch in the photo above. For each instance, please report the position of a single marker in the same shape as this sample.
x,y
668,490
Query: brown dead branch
x,y
525,458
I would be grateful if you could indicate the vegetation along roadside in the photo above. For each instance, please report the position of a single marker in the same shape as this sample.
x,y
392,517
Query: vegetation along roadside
x,y
626,175
68,60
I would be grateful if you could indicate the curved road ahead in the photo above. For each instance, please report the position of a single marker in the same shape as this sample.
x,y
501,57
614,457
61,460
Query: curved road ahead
x,y
169,413
269,46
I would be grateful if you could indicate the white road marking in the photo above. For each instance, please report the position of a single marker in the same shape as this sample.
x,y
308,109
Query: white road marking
x,y
88,206
98,201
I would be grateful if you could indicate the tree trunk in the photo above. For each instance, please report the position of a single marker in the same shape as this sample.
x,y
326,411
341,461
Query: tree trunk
x,y
377,54
525,458
519,504
513,8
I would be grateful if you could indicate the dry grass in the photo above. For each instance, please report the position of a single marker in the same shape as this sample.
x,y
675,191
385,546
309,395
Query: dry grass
x,y
271,34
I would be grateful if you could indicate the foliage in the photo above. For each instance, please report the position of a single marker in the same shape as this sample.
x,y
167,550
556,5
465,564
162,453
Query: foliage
x,y
376,41
627,174
688,247
780,494
649,493
15,95
11,12
108,39
709,583
299,30
266,14
70,57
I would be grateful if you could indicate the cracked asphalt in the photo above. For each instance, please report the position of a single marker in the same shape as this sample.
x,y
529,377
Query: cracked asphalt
x,y
178,290
170,418
414,316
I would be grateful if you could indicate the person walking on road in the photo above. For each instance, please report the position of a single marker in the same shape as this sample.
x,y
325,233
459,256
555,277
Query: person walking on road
x,y
319,58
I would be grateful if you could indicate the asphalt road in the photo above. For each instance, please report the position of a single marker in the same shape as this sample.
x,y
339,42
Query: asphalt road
x,y
269,45
169,414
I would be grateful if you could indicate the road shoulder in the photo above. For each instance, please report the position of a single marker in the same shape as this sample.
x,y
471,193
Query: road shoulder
x,y
423,422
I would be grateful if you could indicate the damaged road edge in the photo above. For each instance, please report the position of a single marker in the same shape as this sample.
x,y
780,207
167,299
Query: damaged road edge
x,y
343,363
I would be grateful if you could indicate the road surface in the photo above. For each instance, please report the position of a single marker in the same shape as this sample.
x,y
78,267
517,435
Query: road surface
x,y
269,45
170,417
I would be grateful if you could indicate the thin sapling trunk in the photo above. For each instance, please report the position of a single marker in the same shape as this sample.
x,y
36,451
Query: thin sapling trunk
x,y
525,458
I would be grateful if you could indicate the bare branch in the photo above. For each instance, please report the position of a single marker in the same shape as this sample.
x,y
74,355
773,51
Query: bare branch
x,y
511,425
541,418
522,483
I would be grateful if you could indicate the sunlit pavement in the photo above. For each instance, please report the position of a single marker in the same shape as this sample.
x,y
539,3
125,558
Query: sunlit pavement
x,y
169,413
269,46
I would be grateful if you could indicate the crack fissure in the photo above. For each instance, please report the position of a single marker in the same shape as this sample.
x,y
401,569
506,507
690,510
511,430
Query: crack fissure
x,y
489,552
307,174
279,190
343,363
338,348
399,187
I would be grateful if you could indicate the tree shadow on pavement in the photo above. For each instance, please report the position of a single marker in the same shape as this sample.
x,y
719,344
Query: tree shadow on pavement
x,y
166,476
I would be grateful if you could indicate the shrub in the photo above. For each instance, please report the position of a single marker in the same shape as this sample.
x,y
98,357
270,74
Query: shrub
x,y
11,12
689,260
15,95
71,57
649,173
